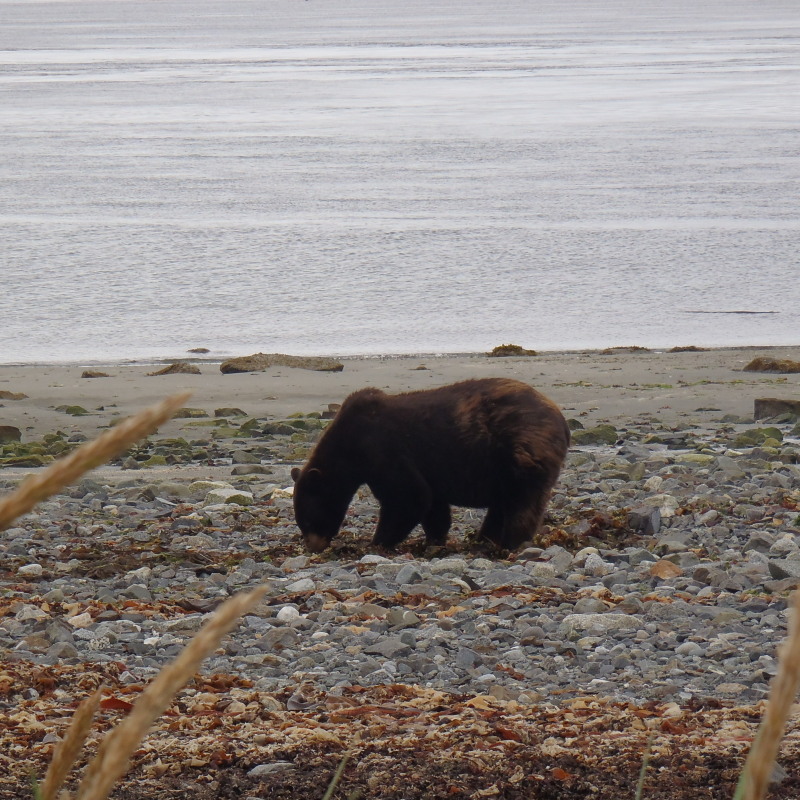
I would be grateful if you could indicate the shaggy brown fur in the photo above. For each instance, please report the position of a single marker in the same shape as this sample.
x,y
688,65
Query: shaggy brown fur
x,y
493,443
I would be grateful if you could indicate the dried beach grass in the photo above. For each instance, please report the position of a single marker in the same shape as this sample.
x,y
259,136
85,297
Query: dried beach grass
x,y
90,455
755,777
69,748
113,756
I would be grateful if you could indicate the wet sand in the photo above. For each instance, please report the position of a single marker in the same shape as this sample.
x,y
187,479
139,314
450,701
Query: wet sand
x,y
595,386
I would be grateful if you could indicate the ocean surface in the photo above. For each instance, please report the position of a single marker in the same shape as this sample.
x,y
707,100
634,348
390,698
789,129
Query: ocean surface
x,y
374,176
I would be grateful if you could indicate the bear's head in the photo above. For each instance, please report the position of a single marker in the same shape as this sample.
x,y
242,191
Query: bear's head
x,y
319,507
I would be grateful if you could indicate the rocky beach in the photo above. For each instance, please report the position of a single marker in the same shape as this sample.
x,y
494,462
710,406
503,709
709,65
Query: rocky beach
x,y
649,609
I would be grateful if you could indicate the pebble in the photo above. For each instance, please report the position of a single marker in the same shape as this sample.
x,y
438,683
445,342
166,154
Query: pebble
x,y
672,579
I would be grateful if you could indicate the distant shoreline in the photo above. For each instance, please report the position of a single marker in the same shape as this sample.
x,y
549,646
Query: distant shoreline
x,y
213,358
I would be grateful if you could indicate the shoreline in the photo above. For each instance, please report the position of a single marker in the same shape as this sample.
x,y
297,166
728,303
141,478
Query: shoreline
x,y
210,358
594,386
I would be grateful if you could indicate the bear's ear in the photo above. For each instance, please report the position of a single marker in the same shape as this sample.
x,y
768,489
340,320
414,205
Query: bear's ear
x,y
311,476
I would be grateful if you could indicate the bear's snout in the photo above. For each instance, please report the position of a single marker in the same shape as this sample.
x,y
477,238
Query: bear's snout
x,y
314,542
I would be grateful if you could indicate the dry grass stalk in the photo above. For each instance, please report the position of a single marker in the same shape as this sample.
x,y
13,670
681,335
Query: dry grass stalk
x,y
68,749
113,756
90,455
783,692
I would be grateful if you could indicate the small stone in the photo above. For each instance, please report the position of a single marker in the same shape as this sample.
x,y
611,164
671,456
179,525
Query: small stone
x,y
271,769
467,659
62,650
645,520
409,574
784,568
373,558
590,605
389,647
653,484
229,496
596,566
604,622
250,469
229,412
602,434
709,518
543,570
28,612
665,503
287,614
729,468
81,620
138,591
447,566
401,617
30,571
731,688
302,585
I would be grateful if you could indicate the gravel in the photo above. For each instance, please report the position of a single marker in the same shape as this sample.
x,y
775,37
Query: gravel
x,y
664,573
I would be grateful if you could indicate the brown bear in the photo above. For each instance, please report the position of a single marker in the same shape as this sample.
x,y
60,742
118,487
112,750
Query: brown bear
x,y
492,443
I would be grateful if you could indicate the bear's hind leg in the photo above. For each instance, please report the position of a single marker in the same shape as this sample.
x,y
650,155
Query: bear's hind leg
x,y
436,523
492,527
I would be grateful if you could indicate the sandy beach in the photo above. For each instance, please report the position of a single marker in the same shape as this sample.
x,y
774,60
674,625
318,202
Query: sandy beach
x,y
593,385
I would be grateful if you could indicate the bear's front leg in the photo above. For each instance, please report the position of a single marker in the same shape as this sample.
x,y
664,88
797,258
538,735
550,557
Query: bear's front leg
x,y
436,523
405,499
395,522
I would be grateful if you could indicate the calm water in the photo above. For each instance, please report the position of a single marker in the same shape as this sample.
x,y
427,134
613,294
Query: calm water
x,y
368,176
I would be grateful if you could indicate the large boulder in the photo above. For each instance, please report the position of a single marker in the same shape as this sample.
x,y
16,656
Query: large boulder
x,y
8,433
768,407
765,364
258,362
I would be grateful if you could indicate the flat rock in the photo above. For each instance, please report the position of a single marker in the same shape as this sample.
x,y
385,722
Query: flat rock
x,y
179,367
223,495
606,622
258,362
389,647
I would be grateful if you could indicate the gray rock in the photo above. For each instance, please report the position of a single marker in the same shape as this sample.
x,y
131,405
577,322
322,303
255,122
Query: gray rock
x,y
784,568
389,647
270,769
409,574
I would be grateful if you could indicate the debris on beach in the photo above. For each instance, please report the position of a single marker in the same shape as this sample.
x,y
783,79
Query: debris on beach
x,y
766,364
94,373
634,348
258,362
177,368
506,350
